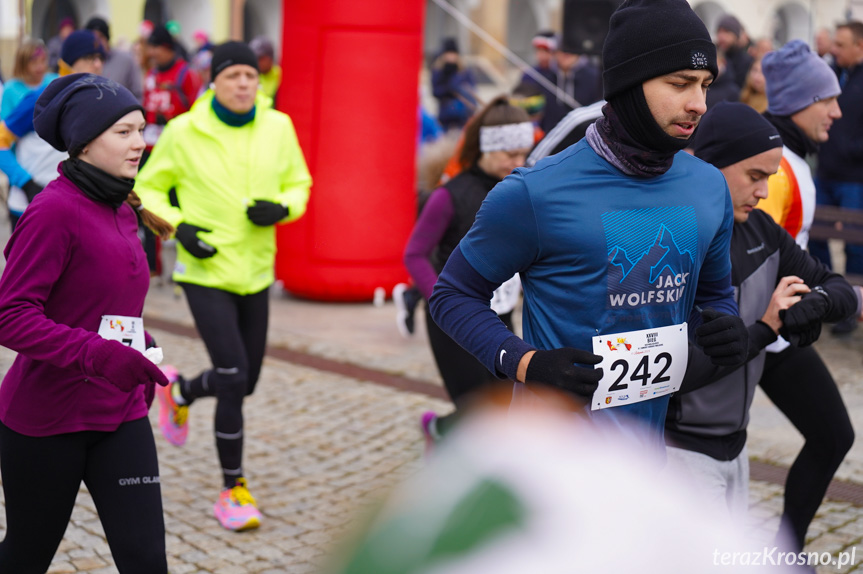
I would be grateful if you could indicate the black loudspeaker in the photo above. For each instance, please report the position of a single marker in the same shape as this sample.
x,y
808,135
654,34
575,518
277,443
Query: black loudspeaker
x,y
585,25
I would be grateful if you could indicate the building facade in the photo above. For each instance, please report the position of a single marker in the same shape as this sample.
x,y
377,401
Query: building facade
x,y
512,23
222,19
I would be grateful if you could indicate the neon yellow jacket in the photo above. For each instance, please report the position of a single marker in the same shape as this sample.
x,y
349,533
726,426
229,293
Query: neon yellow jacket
x,y
218,170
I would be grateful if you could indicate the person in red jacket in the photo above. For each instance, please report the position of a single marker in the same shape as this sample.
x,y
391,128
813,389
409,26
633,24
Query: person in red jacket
x,y
169,89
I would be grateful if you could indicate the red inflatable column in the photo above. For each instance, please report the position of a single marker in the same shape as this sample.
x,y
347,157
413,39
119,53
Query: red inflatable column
x,y
350,84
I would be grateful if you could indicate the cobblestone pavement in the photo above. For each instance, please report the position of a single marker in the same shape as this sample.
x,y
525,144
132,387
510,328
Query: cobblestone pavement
x,y
322,447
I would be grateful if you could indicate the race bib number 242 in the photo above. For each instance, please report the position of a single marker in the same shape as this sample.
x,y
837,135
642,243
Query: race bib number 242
x,y
640,365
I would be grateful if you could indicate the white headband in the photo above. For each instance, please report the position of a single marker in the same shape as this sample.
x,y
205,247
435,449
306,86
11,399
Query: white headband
x,y
506,137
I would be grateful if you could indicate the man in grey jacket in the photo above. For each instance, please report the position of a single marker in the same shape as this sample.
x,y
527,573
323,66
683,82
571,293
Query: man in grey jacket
x,y
780,290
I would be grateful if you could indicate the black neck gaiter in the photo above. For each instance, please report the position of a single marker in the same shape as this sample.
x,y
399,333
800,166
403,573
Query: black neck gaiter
x,y
633,136
792,136
96,184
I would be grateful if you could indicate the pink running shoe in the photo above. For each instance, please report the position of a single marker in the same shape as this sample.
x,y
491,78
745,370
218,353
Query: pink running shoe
x,y
236,508
427,421
173,418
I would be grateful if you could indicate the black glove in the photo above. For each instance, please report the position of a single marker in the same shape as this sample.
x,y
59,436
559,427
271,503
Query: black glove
x,y
265,213
723,337
557,369
31,188
187,235
801,323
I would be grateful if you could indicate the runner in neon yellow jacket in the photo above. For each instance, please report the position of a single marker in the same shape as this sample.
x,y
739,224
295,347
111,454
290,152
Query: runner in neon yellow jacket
x,y
238,171
218,171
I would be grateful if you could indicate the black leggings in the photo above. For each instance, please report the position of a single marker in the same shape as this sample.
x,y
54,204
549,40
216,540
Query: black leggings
x,y
41,478
234,330
798,382
462,373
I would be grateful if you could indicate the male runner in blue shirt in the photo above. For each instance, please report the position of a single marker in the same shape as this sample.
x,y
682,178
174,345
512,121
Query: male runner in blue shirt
x,y
620,240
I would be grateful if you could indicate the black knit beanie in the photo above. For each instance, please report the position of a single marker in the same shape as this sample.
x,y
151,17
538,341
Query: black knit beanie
x,y
230,54
75,109
160,36
731,132
651,38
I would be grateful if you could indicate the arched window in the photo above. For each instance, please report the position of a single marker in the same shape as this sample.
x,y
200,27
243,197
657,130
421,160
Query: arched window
x,y
47,14
263,18
792,22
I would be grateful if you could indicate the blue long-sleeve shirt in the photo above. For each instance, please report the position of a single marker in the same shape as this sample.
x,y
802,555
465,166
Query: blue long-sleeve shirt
x,y
598,253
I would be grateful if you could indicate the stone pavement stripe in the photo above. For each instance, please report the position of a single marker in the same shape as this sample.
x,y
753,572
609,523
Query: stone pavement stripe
x,y
320,363
839,490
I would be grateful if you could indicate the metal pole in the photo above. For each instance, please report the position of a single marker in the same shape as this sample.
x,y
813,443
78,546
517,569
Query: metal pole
x,y
22,21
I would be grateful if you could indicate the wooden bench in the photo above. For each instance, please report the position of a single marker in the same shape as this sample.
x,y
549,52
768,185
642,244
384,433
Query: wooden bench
x,y
839,223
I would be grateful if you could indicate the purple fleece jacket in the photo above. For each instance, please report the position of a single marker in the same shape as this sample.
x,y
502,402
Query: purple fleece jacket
x,y
69,261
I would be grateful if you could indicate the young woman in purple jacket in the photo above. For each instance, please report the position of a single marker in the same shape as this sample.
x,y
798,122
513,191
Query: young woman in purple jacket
x,y
73,406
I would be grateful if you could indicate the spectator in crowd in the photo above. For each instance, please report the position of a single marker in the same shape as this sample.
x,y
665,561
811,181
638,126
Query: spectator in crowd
x,y
780,289
119,65
802,102
32,162
544,54
55,44
202,41
760,47
839,180
174,28
140,49
824,45
30,72
723,88
170,89
578,77
729,34
754,92
238,168
200,64
271,72
453,86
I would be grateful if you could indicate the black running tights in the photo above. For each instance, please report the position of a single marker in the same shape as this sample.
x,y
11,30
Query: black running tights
x,y
41,478
462,373
798,382
234,330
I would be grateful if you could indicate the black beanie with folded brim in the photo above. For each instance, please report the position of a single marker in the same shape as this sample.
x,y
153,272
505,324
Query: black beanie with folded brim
x,y
650,38
732,132
229,54
74,110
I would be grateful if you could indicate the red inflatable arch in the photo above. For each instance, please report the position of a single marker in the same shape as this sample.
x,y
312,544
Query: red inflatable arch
x,y
351,69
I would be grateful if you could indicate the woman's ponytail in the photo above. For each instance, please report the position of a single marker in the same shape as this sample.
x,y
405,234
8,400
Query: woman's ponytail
x,y
153,222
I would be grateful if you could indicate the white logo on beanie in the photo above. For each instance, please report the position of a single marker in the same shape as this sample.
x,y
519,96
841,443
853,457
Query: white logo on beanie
x,y
98,82
699,60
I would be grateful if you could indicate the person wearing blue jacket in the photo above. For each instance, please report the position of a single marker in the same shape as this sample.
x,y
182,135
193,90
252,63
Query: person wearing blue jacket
x,y
454,87
621,241
27,160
